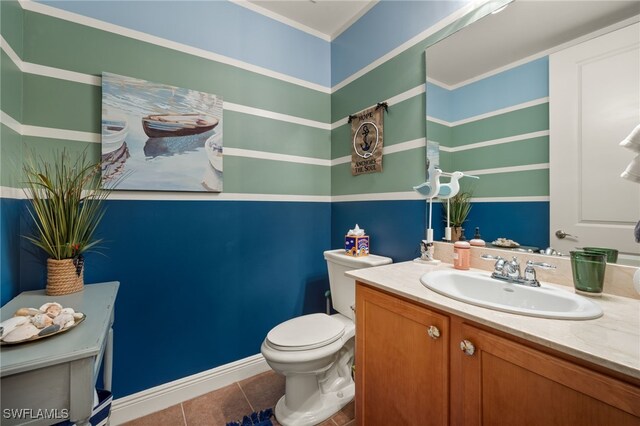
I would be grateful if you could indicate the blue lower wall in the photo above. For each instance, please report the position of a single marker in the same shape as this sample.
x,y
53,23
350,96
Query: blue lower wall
x,y
201,283
10,211
396,227
524,222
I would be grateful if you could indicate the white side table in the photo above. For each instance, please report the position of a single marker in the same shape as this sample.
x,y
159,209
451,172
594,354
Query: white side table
x,y
59,372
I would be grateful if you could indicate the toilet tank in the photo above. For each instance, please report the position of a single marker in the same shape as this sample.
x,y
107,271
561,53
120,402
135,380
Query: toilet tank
x,y
343,289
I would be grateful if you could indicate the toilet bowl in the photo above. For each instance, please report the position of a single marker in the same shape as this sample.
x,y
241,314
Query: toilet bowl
x,y
315,352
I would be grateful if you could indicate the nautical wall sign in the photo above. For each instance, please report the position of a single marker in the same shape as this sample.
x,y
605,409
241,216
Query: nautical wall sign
x,y
367,140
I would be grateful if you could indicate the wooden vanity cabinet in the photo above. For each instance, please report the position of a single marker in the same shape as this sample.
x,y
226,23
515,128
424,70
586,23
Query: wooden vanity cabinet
x,y
508,383
403,373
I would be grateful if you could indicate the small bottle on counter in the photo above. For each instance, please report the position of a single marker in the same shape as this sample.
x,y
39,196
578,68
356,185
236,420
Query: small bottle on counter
x,y
477,240
461,255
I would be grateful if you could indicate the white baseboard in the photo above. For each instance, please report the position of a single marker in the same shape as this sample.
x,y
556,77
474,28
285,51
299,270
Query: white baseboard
x,y
160,397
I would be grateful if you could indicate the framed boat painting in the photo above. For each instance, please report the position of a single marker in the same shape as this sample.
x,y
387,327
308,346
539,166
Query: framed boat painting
x,y
164,138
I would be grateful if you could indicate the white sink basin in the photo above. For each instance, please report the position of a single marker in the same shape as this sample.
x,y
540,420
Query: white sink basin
x,y
478,288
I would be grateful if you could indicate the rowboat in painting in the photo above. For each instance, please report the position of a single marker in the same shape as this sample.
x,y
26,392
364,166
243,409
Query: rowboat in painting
x,y
213,148
171,125
113,163
114,132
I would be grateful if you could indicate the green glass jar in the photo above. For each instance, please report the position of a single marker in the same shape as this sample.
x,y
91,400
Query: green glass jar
x,y
588,270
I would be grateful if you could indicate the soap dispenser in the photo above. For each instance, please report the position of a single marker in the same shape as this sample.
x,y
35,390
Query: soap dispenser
x,y
477,240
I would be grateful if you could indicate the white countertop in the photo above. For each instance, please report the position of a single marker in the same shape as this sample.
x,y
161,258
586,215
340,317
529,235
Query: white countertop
x,y
611,341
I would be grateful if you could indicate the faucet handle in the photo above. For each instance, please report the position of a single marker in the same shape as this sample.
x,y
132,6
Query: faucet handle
x,y
530,272
490,257
541,265
498,268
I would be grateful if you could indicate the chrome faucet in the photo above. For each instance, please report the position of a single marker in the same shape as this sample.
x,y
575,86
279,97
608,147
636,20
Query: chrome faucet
x,y
512,269
504,270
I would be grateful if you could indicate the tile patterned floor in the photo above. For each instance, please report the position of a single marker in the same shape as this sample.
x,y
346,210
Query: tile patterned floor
x,y
231,403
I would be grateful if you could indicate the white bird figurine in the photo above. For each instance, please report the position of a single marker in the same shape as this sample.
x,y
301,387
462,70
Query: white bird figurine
x,y
430,188
448,191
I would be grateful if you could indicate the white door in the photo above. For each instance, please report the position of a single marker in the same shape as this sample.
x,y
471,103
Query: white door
x,y
594,103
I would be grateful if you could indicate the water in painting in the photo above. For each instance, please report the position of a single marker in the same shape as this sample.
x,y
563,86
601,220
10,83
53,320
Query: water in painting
x,y
163,138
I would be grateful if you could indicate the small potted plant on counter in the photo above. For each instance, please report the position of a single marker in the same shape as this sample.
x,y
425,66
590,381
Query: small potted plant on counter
x,y
460,206
66,203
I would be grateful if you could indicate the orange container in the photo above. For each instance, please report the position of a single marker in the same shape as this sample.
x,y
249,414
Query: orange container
x,y
461,255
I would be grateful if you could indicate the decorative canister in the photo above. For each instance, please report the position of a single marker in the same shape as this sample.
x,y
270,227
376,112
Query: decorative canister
x,y
461,255
65,276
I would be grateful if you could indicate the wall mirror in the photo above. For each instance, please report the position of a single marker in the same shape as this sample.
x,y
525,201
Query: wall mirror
x,y
535,100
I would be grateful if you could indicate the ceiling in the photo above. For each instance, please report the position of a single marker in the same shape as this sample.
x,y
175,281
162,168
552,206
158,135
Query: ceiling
x,y
523,29
323,18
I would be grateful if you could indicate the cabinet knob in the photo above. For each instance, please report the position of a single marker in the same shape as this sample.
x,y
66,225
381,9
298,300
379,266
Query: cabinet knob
x,y
467,347
433,332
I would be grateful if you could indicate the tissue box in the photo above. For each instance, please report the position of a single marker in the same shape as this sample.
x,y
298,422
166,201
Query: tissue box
x,y
356,245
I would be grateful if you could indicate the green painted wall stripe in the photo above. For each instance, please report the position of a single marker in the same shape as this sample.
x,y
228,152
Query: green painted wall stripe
x,y
242,175
519,153
10,157
341,141
61,104
11,24
72,106
253,176
405,121
46,148
264,134
66,45
447,161
11,81
513,184
402,123
395,76
526,120
439,133
401,171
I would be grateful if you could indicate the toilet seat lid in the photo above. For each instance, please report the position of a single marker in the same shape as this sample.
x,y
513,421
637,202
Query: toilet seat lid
x,y
306,332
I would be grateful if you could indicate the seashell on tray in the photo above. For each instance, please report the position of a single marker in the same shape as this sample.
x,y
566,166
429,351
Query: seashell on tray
x,y
63,319
33,324
9,325
52,309
41,320
68,311
27,312
23,332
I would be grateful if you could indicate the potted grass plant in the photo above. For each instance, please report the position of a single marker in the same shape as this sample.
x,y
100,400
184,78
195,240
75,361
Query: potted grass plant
x,y
459,206
66,203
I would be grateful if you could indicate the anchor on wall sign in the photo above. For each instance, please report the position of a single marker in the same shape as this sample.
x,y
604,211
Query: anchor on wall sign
x,y
367,141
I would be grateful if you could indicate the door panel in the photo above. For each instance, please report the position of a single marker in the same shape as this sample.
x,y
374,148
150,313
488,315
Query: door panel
x,y
594,96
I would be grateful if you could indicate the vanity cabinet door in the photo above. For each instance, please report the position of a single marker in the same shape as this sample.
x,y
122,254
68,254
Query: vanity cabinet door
x,y
507,383
402,353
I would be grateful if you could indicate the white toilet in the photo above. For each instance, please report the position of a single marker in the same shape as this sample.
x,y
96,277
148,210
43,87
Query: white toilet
x,y
315,352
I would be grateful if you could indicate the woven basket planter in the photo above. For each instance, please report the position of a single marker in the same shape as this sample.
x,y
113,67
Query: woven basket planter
x,y
64,277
